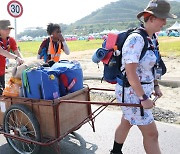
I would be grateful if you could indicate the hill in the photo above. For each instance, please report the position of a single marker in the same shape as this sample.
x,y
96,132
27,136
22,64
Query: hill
x,y
121,11
118,15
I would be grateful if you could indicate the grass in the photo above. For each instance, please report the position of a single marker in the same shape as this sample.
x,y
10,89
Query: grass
x,y
169,46
30,49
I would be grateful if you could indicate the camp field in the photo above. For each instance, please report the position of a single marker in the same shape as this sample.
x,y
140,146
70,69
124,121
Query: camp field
x,y
169,46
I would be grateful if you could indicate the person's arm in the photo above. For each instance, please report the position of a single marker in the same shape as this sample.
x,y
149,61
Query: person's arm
x,y
65,46
18,53
9,55
157,89
131,53
133,78
136,85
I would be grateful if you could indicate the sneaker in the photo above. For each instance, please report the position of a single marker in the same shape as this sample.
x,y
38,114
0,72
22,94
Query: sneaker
x,y
111,152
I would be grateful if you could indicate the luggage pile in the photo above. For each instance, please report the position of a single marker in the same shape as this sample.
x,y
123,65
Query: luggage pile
x,y
44,82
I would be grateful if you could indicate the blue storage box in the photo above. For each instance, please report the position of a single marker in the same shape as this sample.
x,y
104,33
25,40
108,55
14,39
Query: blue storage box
x,y
70,76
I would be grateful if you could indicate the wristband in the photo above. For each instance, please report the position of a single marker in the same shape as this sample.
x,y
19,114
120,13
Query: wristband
x,y
156,85
143,97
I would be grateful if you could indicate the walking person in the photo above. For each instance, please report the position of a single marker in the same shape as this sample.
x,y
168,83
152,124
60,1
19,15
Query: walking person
x,y
50,49
7,44
143,81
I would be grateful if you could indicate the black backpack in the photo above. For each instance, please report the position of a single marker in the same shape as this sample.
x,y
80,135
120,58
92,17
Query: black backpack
x,y
113,69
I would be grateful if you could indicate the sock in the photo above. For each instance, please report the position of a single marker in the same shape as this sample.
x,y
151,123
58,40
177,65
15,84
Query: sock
x,y
117,147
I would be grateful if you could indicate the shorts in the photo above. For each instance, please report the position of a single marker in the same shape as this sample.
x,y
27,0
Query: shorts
x,y
133,114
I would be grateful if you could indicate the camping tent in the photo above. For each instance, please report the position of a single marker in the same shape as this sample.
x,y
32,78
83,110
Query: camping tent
x,y
176,26
174,30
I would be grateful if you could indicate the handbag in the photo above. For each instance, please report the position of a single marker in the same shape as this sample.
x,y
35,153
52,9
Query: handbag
x,y
163,66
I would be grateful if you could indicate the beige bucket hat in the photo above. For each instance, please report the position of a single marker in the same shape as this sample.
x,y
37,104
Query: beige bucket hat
x,y
158,8
5,24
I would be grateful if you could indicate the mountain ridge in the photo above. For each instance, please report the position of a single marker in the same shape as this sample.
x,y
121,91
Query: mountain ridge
x,y
118,15
121,11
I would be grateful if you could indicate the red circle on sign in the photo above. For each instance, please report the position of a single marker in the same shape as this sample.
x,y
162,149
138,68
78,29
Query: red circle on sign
x,y
17,14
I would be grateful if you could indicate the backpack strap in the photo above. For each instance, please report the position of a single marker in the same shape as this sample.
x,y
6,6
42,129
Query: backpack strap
x,y
144,34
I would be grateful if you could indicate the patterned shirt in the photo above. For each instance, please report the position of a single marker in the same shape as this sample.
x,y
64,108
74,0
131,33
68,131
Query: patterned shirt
x,y
131,52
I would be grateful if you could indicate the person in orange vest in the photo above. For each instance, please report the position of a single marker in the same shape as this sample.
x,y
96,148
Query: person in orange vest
x,y
7,44
51,48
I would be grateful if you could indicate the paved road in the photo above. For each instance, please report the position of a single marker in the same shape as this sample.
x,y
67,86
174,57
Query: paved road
x,y
85,141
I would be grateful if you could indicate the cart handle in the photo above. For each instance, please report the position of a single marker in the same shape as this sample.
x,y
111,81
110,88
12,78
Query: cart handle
x,y
99,103
104,103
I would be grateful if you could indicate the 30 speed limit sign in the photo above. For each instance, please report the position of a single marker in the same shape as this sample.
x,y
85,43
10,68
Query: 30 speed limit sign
x,y
15,8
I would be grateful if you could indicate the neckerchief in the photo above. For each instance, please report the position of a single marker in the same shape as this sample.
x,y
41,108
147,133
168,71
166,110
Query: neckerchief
x,y
154,37
7,44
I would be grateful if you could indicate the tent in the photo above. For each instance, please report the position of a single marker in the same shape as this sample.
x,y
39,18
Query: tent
x,y
176,26
162,33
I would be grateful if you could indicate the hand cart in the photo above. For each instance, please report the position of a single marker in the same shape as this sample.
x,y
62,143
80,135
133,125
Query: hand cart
x,y
29,124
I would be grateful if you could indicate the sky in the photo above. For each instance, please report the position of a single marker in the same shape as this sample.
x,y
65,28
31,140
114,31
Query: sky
x,y
38,13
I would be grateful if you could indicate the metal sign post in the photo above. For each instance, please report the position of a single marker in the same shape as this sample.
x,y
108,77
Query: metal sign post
x,y
15,28
15,9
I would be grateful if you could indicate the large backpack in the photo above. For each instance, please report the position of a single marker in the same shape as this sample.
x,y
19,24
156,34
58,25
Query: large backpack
x,y
112,65
112,69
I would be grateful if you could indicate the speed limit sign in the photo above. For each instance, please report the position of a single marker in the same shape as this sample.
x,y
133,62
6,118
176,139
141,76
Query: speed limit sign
x,y
15,8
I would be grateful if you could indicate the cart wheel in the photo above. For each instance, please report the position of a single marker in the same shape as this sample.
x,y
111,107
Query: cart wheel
x,y
20,121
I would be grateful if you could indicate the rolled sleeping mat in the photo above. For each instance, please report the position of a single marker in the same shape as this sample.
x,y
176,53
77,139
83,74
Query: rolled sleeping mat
x,y
99,55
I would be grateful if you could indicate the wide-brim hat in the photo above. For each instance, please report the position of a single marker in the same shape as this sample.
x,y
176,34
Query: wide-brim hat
x,y
158,8
5,24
